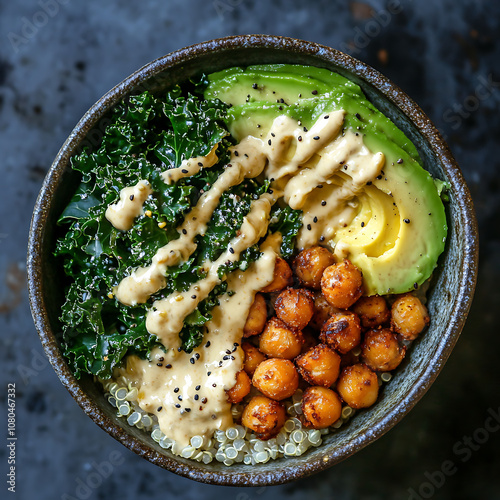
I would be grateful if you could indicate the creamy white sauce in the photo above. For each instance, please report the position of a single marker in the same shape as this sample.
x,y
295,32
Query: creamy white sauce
x,y
190,167
213,370
122,214
320,172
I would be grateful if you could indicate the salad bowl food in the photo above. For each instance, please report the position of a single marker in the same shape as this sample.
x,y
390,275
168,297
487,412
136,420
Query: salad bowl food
x,y
235,255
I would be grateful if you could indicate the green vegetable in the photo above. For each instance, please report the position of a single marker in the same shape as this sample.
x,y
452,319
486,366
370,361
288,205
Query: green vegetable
x,y
147,135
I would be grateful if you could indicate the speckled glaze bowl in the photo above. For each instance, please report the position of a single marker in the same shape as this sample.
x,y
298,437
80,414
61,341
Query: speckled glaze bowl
x,y
449,298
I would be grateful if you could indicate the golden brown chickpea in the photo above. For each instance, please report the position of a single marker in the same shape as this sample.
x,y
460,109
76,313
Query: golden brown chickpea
x,y
409,316
342,332
321,407
322,311
283,277
280,341
257,316
310,264
264,416
372,311
240,389
253,358
276,378
319,366
358,386
342,284
381,350
295,307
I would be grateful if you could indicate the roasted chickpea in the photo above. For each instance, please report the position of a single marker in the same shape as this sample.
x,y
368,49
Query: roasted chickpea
x,y
295,307
342,332
342,284
319,366
280,341
372,311
321,407
240,389
358,386
283,277
264,416
381,350
409,316
310,264
322,311
257,316
276,378
253,358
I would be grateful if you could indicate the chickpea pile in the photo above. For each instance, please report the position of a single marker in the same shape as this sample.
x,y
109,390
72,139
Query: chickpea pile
x,y
325,337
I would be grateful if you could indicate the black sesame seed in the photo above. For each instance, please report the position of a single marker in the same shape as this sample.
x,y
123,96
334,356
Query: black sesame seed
x,y
269,142
131,197
407,221
280,108
184,170
236,153
187,409
161,358
314,92
315,219
209,373
231,250
326,117
176,389
415,285
196,397
299,138
168,366
319,186
200,164
236,344
193,297
214,385
159,364
177,405
184,231
228,351
192,361
273,134
179,397
305,129
358,116
400,161
197,355
362,224
225,357
322,238
323,203
232,357
255,86
207,344
309,227
369,183
159,408
197,388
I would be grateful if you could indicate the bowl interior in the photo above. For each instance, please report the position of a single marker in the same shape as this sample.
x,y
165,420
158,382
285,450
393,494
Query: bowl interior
x,y
449,297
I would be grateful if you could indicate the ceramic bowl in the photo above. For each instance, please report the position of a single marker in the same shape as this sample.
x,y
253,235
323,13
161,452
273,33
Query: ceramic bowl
x,y
449,297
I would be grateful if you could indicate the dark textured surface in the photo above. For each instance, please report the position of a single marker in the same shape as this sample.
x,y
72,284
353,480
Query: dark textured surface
x,y
442,54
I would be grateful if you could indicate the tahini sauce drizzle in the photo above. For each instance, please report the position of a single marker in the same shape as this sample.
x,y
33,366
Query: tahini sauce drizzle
x,y
306,168
200,404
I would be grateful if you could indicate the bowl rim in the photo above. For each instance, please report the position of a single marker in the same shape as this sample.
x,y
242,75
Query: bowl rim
x,y
462,301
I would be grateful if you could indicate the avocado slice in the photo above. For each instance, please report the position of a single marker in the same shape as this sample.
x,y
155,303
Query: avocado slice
x,y
400,227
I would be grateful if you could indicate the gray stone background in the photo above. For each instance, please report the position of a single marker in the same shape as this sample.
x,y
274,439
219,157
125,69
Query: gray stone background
x,y
57,57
